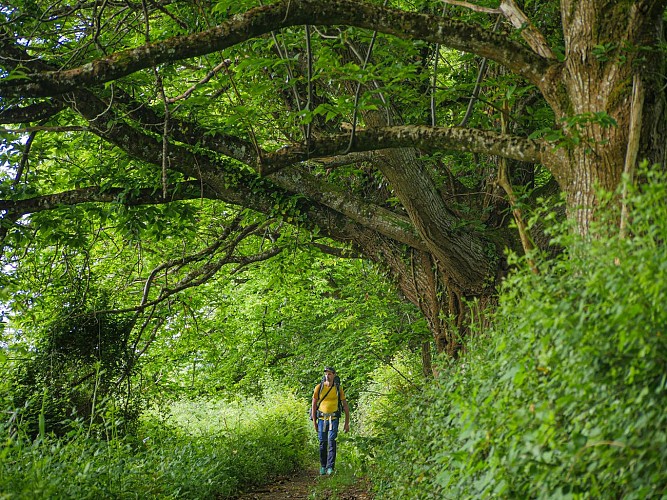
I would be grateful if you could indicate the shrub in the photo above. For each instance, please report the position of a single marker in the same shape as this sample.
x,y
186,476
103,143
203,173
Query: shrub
x,y
77,362
566,396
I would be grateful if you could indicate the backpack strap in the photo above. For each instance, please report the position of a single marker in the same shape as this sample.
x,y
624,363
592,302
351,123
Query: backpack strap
x,y
338,408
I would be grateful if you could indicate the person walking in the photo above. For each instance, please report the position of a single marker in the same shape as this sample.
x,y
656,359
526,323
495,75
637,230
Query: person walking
x,y
328,399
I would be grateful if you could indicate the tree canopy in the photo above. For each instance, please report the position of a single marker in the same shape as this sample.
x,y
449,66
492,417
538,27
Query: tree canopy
x,y
215,134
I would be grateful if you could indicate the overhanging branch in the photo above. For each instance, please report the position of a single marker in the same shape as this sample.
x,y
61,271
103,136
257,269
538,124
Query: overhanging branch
x,y
238,186
94,194
263,20
203,265
426,138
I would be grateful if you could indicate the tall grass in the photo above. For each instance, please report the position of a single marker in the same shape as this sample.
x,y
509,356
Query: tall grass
x,y
199,449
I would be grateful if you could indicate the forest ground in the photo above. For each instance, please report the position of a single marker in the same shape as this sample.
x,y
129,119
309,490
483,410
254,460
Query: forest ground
x,y
309,484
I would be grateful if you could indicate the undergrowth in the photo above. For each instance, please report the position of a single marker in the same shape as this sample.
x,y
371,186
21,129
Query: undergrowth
x,y
200,449
564,397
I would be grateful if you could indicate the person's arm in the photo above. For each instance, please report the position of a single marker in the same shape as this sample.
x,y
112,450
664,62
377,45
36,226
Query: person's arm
x,y
313,408
346,409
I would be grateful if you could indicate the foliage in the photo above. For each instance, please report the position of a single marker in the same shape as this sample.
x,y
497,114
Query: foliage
x,y
259,94
168,458
382,400
93,183
285,320
565,396
79,359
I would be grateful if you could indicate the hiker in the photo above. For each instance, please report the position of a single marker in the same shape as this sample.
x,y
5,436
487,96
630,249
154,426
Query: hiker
x,y
328,399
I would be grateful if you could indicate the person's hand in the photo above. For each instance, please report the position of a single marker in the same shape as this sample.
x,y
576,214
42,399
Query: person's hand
x,y
315,425
346,427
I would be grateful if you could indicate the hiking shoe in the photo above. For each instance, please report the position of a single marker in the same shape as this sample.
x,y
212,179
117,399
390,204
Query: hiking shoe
x,y
329,471
323,471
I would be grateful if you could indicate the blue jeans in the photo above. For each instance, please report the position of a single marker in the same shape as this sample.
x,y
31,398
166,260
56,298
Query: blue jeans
x,y
327,435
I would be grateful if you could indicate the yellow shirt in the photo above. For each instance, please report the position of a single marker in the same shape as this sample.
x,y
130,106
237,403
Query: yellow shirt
x,y
330,403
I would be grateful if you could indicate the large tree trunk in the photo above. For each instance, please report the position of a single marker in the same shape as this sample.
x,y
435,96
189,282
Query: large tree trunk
x,y
612,56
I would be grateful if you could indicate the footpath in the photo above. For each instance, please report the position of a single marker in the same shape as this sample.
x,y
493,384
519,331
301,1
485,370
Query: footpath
x,y
308,484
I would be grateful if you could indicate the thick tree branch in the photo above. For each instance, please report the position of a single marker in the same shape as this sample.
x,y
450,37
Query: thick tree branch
x,y
263,20
218,181
332,162
32,113
405,136
188,132
343,253
331,149
186,191
43,128
239,186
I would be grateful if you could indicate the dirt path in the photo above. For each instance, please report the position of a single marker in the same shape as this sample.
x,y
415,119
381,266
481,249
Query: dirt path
x,y
306,484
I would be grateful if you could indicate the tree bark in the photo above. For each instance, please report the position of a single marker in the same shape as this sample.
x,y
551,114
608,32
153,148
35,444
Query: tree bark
x,y
608,44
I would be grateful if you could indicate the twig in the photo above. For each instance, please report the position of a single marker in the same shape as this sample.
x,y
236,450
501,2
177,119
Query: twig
x,y
204,80
393,367
178,21
165,134
24,158
504,182
288,68
472,6
434,82
251,130
188,259
309,102
160,87
357,94
478,83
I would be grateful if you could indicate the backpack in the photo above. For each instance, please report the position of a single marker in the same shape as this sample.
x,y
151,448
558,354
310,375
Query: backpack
x,y
336,384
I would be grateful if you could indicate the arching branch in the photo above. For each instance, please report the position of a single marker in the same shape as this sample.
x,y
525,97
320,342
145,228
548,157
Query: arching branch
x,y
263,20
422,137
199,267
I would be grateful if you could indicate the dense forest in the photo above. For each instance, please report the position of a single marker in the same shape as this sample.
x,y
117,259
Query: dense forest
x,y
460,205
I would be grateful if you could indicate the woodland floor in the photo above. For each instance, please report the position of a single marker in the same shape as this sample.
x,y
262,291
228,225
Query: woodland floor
x,y
308,484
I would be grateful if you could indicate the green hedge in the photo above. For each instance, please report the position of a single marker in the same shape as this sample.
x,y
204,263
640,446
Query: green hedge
x,y
566,397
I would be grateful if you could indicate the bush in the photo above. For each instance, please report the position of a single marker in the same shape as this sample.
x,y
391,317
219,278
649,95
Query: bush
x,y
566,396
77,361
